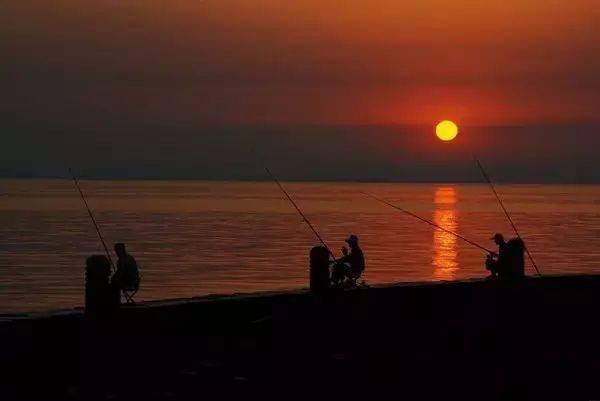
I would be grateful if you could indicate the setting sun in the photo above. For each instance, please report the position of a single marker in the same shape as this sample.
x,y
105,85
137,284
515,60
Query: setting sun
x,y
446,130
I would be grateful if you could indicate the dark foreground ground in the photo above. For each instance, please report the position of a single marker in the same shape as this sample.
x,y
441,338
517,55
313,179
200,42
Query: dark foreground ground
x,y
536,339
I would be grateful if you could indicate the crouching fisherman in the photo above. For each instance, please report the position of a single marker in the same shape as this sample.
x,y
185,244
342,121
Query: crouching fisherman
x,y
126,279
351,266
344,272
509,262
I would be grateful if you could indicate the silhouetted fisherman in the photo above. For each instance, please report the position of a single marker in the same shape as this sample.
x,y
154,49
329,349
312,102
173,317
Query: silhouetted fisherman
x,y
319,269
126,279
351,265
509,262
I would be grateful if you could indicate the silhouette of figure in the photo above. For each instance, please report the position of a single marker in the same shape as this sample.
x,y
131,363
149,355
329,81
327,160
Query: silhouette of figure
x,y
126,279
98,294
509,262
496,262
319,269
350,266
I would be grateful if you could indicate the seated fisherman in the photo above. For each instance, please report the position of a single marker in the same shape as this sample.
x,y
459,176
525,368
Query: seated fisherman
x,y
351,265
127,275
496,262
509,262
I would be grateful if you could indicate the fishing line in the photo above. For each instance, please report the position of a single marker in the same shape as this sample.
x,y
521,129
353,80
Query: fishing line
x,y
431,223
300,212
92,218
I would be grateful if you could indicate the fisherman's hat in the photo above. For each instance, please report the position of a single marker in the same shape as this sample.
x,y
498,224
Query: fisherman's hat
x,y
352,239
497,236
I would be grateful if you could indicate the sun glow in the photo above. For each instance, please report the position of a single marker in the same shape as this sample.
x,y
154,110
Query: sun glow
x,y
445,256
446,130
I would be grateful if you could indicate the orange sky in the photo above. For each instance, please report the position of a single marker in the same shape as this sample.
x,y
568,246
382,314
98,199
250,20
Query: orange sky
x,y
240,61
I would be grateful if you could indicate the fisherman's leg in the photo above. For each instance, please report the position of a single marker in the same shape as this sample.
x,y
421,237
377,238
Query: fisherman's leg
x,y
337,274
492,266
348,275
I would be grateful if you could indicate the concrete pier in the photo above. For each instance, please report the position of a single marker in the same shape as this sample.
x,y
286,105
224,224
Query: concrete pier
x,y
532,339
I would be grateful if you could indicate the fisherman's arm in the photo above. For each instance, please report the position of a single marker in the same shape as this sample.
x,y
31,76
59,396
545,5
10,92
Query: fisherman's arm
x,y
342,260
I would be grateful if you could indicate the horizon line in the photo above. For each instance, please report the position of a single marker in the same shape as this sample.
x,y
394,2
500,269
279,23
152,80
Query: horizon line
x,y
322,180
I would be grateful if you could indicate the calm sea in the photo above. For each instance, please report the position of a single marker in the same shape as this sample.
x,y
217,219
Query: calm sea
x,y
193,238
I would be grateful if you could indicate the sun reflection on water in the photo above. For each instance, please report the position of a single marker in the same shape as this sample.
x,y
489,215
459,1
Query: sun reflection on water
x,y
445,251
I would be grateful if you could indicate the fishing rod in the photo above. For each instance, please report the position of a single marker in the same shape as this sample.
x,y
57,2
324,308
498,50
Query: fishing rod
x,y
431,223
300,212
489,181
92,218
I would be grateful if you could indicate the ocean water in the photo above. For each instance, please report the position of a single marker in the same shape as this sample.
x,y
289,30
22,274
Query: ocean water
x,y
193,238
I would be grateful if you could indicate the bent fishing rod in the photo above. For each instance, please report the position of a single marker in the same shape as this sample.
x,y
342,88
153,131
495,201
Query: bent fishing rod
x,y
489,181
92,218
431,223
300,212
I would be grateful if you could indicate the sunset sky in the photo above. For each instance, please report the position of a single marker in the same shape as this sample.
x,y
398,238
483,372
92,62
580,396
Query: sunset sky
x,y
161,86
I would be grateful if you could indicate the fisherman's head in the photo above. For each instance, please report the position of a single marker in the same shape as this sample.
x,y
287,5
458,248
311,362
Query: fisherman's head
x,y
352,240
120,249
498,238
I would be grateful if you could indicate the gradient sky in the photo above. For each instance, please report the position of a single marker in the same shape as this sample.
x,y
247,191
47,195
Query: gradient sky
x,y
131,77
